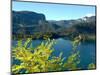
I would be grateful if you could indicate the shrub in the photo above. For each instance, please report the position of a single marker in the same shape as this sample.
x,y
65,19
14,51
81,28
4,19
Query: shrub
x,y
39,59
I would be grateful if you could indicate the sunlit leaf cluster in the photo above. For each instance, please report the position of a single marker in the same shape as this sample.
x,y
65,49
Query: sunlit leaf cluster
x,y
40,58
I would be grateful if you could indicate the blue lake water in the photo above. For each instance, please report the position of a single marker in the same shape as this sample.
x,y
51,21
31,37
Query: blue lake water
x,y
87,50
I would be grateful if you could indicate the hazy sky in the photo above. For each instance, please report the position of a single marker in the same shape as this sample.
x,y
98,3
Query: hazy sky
x,y
55,11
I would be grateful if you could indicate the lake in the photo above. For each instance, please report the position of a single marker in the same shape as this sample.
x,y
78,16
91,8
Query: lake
x,y
87,50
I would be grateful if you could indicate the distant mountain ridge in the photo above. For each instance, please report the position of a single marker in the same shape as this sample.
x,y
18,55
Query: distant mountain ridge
x,y
29,23
69,23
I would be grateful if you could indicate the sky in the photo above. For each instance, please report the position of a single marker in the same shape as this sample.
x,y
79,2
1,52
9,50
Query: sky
x,y
55,11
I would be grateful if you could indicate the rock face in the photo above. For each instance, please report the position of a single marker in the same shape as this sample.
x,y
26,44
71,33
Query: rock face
x,y
27,17
26,20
